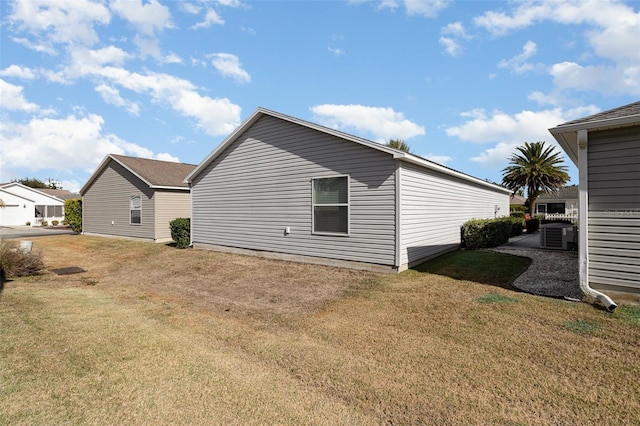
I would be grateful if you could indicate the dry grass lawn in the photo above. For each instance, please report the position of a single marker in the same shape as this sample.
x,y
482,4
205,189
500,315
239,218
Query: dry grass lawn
x,y
152,334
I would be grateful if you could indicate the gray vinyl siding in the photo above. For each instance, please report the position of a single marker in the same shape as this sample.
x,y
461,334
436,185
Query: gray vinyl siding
x,y
262,183
614,209
107,200
169,205
434,206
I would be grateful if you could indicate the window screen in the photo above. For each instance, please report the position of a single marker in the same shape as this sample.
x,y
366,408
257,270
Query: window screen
x,y
135,209
331,205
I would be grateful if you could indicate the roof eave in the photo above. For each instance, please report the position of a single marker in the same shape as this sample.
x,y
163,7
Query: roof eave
x,y
566,134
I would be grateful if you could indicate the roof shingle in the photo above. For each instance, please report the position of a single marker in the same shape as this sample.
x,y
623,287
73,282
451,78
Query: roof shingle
x,y
157,172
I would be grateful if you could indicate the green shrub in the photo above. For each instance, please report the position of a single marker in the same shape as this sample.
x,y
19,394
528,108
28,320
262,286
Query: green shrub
x,y
28,223
181,231
516,223
55,222
45,223
518,209
482,233
73,214
532,225
19,263
515,213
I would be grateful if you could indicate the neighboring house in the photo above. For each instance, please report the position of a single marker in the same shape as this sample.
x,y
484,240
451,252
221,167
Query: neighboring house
x,y
135,198
16,210
282,187
517,200
36,206
606,149
63,194
561,202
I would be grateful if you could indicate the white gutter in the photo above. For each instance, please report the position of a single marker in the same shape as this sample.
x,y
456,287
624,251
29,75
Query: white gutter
x,y
583,233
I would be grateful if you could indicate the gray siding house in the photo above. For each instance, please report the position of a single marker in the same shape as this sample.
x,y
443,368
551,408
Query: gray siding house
x,y
135,198
286,188
606,149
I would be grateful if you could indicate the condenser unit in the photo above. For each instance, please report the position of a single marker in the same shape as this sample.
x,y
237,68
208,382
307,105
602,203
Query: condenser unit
x,y
559,236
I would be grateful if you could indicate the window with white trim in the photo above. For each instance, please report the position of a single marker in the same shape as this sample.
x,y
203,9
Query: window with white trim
x,y
330,200
135,210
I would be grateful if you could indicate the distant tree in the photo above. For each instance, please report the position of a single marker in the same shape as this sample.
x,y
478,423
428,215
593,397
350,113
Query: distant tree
x,y
37,183
399,144
536,169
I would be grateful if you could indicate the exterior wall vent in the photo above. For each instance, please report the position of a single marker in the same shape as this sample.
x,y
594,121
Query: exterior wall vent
x,y
559,236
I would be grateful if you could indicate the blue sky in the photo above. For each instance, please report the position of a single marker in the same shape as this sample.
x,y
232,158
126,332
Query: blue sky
x,y
463,83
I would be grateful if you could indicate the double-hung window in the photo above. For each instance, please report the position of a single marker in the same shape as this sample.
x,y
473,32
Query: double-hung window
x,y
330,199
135,210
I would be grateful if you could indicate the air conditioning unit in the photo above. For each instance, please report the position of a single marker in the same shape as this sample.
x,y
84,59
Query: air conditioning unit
x,y
559,236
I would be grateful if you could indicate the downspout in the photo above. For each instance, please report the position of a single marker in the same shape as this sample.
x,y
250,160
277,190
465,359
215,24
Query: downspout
x,y
190,215
583,232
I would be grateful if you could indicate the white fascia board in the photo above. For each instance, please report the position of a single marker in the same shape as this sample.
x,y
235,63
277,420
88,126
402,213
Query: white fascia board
x,y
179,188
567,134
7,188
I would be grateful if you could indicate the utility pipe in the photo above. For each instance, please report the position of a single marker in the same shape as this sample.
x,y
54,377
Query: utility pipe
x,y
583,232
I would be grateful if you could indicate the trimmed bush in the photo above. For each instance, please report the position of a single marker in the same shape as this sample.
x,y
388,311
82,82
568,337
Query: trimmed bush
x,y
519,214
518,209
28,223
45,223
73,214
532,225
483,233
55,222
181,231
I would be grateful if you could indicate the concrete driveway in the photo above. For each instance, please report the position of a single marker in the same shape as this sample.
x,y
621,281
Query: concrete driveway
x,y
28,231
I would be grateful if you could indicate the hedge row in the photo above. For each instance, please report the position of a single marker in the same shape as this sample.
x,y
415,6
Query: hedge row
x,y
483,233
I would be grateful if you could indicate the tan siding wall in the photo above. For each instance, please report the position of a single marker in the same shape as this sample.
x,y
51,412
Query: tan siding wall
x,y
107,200
614,209
434,206
170,205
262,184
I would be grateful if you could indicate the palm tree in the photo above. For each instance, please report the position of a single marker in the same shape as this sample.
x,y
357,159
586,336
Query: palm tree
x,y
537,169
399,144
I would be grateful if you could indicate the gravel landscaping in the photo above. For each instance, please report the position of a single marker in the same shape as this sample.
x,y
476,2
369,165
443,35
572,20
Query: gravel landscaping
x,y
553,273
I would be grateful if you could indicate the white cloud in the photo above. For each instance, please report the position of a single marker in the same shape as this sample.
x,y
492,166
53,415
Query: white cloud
x,y
382,123
440,159
61,21
451,46
228,65
508,131
210,18
610,27
429,9
215,116
112,96
455,29
171,58
71,142
36,46
190,8
149,18
164,156
518,63
12,98
17,71
148,46
336,51
604,79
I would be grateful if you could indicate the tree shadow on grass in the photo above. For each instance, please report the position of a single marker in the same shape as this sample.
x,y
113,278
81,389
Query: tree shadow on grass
x,y
481,266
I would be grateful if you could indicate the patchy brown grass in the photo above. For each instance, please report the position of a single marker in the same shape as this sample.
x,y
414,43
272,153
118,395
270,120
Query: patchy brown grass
x,y
154,334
